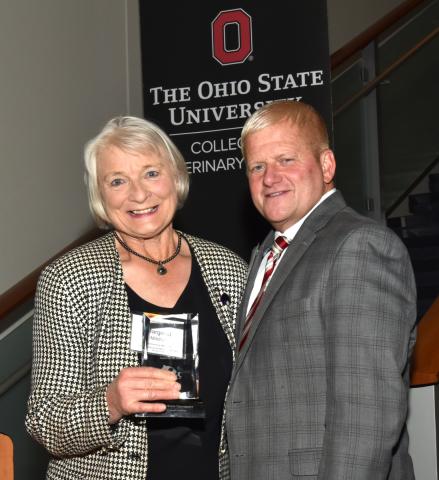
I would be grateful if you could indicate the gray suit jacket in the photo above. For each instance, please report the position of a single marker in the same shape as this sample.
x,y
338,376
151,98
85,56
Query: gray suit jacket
x,y
320,389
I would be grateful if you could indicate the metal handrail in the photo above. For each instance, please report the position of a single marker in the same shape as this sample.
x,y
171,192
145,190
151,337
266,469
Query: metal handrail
x,y
357,44
411,187
382,76
15,377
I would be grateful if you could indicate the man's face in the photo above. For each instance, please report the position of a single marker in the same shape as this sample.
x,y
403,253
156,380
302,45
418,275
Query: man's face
x,y
286,177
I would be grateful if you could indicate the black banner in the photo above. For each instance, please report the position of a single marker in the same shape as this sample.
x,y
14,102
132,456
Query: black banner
x,y
207,66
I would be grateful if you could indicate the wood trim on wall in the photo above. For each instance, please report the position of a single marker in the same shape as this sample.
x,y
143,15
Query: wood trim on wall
x,y
25,288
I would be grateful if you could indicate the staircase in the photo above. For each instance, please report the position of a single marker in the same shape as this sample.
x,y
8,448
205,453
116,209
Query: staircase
x,y
420,232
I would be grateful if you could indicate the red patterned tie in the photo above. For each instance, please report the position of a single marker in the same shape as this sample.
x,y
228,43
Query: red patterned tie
x,y
279,245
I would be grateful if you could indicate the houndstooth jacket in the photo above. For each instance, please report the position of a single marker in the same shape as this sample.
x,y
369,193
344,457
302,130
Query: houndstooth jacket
x,y
82,328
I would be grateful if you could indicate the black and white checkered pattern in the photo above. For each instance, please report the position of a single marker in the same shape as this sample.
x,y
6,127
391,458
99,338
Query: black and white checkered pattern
x,y
82,331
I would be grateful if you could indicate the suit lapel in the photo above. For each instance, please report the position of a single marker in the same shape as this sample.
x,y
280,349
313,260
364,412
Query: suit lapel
x,y
298,247
293,254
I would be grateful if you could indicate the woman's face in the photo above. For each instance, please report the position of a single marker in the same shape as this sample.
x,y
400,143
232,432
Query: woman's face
x,y
138,191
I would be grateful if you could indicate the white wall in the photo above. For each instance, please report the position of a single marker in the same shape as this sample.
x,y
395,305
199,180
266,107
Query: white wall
x,y
346,19
67,66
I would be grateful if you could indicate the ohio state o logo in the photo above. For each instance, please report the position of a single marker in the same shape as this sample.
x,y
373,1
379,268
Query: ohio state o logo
x,y
243,22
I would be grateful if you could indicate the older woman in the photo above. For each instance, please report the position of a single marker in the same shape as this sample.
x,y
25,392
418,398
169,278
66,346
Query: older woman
x,y
87,383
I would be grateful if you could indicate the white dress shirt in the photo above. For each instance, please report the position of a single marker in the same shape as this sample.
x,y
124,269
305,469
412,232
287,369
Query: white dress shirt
x,y
289,233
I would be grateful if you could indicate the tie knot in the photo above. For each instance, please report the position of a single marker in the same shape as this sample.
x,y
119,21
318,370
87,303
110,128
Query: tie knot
x,y
280,244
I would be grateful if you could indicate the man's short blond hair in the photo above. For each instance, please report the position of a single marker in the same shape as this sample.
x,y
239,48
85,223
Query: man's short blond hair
x,y
298,114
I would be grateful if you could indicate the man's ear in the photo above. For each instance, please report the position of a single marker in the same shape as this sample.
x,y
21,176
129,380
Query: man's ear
x,y
327,162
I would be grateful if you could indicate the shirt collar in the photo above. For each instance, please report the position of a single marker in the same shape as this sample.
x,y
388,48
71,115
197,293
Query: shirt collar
x,y
291,232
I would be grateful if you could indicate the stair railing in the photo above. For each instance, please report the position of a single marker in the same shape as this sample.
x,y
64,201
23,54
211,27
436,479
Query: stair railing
x,y
387,72
352,48
355,85
412,186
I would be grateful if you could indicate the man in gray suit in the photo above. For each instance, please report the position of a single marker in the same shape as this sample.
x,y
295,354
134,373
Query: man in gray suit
x,y
327,324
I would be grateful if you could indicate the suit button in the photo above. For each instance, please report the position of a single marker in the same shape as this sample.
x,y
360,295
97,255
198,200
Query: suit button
x,y
134,456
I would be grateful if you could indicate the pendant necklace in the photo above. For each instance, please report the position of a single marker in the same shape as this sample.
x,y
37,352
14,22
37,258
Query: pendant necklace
x,y
161,269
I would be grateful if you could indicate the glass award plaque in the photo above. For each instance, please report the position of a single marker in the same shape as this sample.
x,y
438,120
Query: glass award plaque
x,y
171,342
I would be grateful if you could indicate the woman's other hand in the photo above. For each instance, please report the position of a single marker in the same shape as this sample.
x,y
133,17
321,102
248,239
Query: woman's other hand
x,y
136,389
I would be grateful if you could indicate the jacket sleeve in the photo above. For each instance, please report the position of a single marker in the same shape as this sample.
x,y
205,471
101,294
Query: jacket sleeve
x,y
67,411
370,313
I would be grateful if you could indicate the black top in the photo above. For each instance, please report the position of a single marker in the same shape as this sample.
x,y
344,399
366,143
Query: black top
x,y
188,448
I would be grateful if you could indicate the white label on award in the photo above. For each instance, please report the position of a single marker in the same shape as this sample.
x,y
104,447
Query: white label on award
x,y
167,341
137,332
186,396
